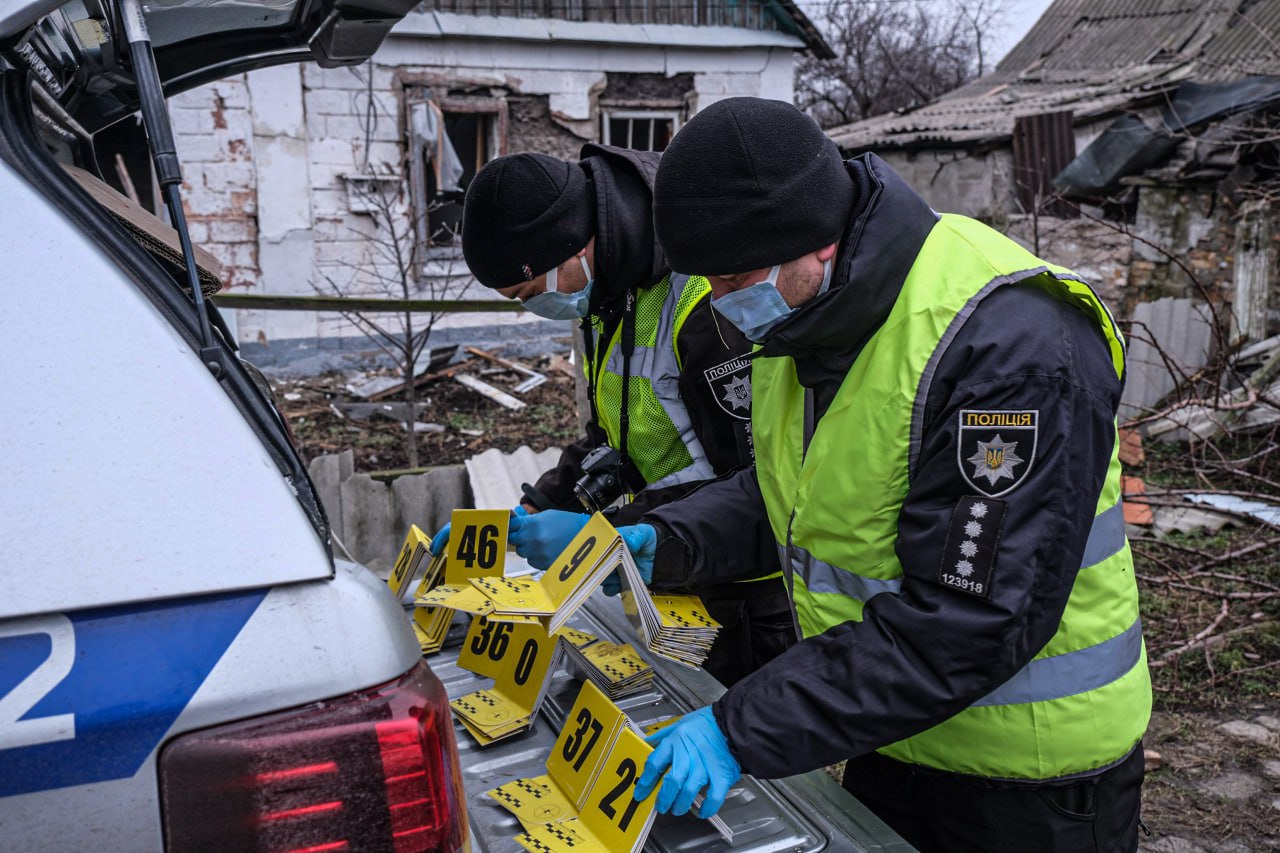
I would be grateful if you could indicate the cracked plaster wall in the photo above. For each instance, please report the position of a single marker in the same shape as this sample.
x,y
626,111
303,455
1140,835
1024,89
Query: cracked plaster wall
x,y
264,153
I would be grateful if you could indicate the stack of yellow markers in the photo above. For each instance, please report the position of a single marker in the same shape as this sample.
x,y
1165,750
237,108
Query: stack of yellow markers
x,y
616,668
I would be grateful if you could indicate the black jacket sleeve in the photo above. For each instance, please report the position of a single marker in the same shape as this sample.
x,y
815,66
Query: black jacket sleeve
x,y
924,654
718,534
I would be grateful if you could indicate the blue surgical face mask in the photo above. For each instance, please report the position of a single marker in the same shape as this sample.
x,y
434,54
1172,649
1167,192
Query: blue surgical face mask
x,y
552,305
755,310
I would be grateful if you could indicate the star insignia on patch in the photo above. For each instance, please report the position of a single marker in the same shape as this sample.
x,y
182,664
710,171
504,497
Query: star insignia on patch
x,y
996,448
995,459
738,393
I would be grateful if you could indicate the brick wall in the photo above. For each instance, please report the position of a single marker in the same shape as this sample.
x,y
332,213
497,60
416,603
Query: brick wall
x,y
214,130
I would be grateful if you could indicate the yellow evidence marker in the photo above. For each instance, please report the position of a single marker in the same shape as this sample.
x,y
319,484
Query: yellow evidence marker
x,y
477,544
611,818
577,757
522,659
583,565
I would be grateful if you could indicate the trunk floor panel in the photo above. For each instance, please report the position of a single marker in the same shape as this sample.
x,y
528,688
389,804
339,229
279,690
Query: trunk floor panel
x,y
802,814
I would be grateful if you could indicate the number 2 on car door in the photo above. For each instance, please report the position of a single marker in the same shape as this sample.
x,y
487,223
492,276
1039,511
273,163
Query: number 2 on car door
x,y
40,682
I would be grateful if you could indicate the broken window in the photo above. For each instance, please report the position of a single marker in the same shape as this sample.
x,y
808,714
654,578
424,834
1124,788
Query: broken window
x,y
449,141
643,130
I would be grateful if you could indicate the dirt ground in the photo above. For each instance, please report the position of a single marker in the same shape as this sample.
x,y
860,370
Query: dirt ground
x,y
470,422
1210,790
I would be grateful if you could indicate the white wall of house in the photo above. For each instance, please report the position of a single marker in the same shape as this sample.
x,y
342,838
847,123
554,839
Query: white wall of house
x,y
265,154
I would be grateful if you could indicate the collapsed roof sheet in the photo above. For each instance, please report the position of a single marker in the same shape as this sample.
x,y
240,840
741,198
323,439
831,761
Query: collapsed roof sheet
x,y
1095,58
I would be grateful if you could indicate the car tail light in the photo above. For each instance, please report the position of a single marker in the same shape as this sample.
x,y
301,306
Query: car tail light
x,y
372,771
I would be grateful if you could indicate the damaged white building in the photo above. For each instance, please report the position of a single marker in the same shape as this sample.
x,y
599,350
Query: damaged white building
x,y
284,166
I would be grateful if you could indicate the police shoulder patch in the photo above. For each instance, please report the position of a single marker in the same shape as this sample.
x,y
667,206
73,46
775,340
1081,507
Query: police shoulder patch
x,y
969,556
731,386
996,448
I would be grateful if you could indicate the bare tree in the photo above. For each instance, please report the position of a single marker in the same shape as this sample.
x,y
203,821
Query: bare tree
x,y
892,54
391,268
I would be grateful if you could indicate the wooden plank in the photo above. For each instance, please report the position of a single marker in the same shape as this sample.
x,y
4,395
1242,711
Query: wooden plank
x,y
485,389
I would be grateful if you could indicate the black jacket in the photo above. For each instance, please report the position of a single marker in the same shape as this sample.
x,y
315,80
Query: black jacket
x,y
921,655
628,258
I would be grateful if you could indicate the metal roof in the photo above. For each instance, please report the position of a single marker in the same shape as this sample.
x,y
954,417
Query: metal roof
x,y
1093,57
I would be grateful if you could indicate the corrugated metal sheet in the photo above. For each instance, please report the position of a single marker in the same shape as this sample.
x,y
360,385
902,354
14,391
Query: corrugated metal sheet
x,y
496,476
1043,145
1092,57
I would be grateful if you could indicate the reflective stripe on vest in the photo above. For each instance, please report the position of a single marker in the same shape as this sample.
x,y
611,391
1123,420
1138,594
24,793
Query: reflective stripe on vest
x,y
1072,673
660,367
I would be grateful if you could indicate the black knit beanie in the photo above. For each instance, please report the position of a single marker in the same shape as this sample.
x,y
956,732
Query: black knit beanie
x,y
523,215
746,184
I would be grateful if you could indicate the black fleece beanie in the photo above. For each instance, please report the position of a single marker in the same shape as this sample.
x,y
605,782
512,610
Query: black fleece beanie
x,y
746,184
523,215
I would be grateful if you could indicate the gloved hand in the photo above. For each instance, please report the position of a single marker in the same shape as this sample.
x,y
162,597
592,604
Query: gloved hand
x,y
441,539
642,541
698,754
540,537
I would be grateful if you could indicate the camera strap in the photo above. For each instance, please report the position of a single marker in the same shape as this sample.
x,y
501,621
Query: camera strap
x,y
596,364
628,348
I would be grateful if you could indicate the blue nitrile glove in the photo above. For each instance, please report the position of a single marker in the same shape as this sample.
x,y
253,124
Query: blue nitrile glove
x,y
441,538
642,541
698,754
540,537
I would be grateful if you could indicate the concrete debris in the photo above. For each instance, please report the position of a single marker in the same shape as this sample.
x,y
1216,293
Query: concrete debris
x,y
485,389
371,387
420,426
474,433
1233,786
1271,768
1167,519
425,368
1243,408
1151,760
391,411
532,377
1272,723
1170,844
1264,512
1252,732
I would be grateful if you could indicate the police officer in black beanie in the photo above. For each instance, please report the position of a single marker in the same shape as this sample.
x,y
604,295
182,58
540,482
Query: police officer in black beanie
x,y
668,383
934,419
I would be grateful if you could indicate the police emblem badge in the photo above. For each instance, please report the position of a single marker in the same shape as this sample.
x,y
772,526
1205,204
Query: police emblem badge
x,y
996,448
731,386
